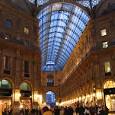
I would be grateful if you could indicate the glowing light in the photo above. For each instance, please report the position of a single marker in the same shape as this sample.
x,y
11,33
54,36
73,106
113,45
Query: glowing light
x,y
99,94
17,95
21,106
37,97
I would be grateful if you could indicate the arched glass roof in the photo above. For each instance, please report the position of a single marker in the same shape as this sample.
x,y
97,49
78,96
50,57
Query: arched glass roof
x,y
88,3
60,27
39,2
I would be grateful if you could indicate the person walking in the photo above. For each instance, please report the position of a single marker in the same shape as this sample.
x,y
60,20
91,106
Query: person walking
x,y
47,111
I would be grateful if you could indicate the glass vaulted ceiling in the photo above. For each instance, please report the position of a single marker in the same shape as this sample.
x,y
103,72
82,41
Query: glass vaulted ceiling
x,y
86,3
60,27
40,2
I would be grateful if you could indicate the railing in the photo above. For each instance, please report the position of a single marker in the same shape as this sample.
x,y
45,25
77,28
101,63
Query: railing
x,y
17,40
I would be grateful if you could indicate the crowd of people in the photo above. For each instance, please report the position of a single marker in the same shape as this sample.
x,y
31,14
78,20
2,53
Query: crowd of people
x,y
7,110
77,109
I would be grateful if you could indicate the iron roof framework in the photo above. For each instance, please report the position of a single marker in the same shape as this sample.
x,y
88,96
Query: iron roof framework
x,y
86,3
60,27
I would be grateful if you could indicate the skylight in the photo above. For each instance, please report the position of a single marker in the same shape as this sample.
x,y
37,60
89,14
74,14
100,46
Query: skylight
x,y
88,3
60,27
39,2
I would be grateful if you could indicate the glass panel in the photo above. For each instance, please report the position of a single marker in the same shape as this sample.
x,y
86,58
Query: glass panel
x,y
67,7
60,30
54,15
61,23
95,2
56,7
81,24
59,34
87,3
39,2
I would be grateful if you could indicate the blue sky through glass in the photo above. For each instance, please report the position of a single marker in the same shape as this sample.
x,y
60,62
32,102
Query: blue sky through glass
x,y
85,3
40,2
88,3
61,25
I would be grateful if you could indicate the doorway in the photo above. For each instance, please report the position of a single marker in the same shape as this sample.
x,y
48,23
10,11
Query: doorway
x,y
5,95
26,95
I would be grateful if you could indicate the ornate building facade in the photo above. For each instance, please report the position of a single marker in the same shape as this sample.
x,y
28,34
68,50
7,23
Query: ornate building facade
x,y
92,75
19,55
60,46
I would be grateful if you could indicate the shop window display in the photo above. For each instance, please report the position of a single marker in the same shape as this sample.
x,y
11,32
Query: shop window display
x,y
109,92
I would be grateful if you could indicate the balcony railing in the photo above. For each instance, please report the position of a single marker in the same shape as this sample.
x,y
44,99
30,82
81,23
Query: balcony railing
x,y
17,40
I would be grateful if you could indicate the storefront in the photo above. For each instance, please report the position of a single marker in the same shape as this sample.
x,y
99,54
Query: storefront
x,y
109,95
26,96
5,95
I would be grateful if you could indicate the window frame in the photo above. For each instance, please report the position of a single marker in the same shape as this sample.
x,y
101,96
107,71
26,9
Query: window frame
x,y
8,23
103,32
105,44
26,68
107,67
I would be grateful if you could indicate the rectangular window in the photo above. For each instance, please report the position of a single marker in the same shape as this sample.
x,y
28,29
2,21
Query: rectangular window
x,y
50,82
6,64
26,68
26,30
103,32
107,68
105,44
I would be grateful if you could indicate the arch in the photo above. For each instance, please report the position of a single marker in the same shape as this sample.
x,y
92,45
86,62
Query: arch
x,y
62,1
25,86
50,98
5,84
9,80
109,84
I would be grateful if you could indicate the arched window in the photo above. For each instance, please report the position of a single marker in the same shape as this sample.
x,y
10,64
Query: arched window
x,y
5,84
25,87
50,98
25,90
5,88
